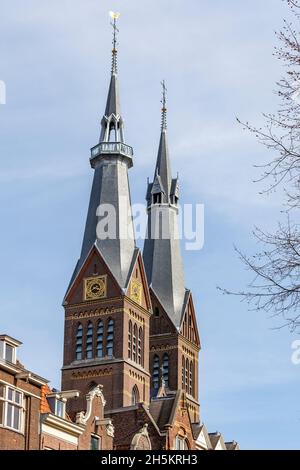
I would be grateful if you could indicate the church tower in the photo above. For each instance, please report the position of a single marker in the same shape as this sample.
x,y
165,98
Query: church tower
x,y
174,337
107,305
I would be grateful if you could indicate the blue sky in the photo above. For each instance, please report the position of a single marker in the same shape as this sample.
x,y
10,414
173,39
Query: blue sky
x,y
217,60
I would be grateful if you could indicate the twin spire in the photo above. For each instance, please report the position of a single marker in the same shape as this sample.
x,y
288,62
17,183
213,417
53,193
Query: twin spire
x,y
111,158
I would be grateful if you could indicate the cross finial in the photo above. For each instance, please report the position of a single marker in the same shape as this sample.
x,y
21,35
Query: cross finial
x,y
164,106
114,16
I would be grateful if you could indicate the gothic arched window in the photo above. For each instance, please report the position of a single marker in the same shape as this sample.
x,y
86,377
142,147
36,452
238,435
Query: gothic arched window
x,y
134,341
191,378
187,376
140,340
155,372
135,397
166,369
100,332
79,335
110,338
183,373
89,342
130,339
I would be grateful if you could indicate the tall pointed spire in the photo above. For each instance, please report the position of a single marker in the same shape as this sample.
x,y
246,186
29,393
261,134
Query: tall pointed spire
x,y
110,159
112,123
162,177
162,257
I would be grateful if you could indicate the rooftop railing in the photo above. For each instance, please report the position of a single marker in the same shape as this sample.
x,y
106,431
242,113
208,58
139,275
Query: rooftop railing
x,y
111,148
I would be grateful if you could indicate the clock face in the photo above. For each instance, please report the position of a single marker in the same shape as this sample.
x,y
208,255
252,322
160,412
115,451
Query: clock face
x,y
95,288
136,291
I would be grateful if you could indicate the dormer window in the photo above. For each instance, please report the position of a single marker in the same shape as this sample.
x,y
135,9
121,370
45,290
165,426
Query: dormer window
x,y
60,408
57,404
9,352
8,349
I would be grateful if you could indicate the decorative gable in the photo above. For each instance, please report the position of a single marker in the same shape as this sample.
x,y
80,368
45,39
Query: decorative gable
x,y
189,327
94,281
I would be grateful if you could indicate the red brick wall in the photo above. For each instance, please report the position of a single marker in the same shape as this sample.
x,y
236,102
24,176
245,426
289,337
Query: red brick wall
x,y
29,439
52,443
118,375
92,428
128,423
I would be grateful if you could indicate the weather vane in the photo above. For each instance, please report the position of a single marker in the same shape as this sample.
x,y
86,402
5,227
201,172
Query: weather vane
x,y
114,16
164,106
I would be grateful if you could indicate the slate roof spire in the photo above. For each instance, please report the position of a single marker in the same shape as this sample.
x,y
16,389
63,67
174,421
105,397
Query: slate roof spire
x,y
111,158
162,257
112,126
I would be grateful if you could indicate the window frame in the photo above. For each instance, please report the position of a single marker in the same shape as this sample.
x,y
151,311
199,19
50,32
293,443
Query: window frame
x,y
181,443
140,346
130,339
155,368
60,412
94,439
79,342
134,343
135,395
166,368
89,342
110,341
100,342
3,351
14,404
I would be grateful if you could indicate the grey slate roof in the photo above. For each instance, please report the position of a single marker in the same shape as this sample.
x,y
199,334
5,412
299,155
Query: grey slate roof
x,y
163,167
110,187
162,256
113,98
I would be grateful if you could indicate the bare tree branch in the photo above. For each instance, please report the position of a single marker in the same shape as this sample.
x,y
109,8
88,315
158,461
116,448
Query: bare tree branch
x,y
275,287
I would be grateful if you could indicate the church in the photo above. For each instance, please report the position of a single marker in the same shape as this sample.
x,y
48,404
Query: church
x,y
131,341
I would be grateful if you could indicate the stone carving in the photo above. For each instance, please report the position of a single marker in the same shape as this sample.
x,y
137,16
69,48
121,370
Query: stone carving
x,y
83,417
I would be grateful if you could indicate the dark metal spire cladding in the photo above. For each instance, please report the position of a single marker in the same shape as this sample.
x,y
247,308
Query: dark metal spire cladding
x,y
110,159
112,123
162,257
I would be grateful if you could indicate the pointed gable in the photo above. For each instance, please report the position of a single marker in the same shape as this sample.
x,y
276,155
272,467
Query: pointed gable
x,y
160,321
162,255
171,412
188,327
93,269
201,437
217,441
